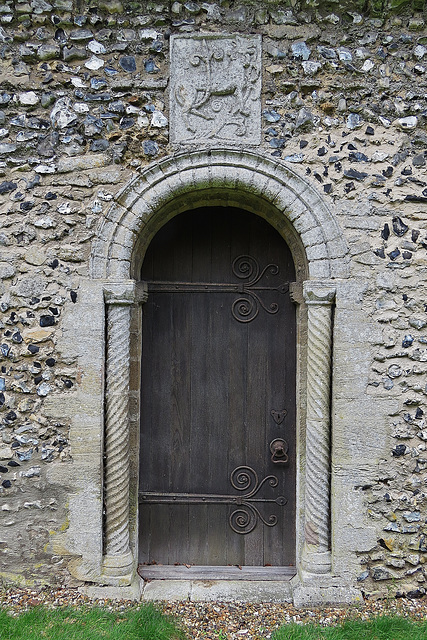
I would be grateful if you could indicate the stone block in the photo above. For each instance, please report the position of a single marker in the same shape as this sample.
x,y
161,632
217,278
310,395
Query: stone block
x,y
354,327
312,237
305,222
340,268
316,252
319,269
241,591
79,163
351,368
360,431
358,539
167,590
98,592
215,89
305,596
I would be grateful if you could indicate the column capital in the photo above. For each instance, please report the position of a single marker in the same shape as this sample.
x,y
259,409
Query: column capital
x,y
126,292
319,293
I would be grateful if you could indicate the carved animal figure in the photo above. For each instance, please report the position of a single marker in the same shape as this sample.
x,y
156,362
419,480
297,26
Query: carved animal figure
x,y
196,99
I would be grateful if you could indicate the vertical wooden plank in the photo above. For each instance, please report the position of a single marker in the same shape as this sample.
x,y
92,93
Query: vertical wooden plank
x,y
145,469
273,537
181,393
274,395
279,541
146,426
155,384
217,384
161,372
256,390
289,511
238,374
162,381
200,408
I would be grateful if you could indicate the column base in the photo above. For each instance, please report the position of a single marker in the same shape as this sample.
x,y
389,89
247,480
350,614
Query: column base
x,y
117,570
103,592
316,586
315,562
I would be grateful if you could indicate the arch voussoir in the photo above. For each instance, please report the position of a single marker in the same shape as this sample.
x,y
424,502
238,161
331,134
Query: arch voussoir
x,y
224,175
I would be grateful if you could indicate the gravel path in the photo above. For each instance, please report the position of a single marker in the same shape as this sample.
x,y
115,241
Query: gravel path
x,y
228,621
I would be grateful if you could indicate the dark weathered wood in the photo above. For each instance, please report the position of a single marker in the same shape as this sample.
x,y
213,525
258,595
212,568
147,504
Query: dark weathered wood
x,y
209,384
170,572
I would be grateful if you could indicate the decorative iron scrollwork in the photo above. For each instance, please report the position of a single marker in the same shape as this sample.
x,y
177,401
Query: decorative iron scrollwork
x,y
242,519
246,308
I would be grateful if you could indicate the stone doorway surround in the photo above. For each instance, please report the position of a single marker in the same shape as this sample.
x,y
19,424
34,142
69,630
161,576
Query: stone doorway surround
x,y
107,494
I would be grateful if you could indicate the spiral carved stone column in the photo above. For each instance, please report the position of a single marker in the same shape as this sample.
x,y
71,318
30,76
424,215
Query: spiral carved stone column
x,y
316,554
118,563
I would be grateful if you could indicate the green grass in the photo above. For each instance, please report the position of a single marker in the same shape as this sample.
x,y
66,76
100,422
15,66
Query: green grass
x,y
148,623
380,628
89,623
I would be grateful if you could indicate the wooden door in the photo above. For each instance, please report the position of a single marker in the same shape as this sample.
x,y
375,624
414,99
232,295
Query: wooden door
x,y
217,460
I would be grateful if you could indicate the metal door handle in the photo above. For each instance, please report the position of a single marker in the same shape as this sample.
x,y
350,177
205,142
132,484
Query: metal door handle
x,y
279,451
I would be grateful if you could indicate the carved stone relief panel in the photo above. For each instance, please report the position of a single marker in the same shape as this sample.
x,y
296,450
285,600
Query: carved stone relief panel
x,y
215,91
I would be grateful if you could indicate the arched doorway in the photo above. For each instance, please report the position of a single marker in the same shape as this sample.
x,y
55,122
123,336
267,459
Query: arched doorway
x,y
222,178
218,403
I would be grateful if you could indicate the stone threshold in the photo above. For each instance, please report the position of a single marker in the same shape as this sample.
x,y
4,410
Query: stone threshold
x,y
218,590
325,591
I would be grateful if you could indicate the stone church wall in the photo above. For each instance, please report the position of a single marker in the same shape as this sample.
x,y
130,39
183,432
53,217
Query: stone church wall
x,y
84,106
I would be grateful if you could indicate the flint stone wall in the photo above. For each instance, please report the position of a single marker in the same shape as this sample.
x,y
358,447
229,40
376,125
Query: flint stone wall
x,y
84,106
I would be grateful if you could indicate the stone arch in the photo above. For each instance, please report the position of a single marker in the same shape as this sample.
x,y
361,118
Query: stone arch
x,y
275,191
218,176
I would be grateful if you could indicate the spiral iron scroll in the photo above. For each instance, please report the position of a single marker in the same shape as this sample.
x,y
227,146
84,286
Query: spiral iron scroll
x,y
246,308
246,514
245,518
